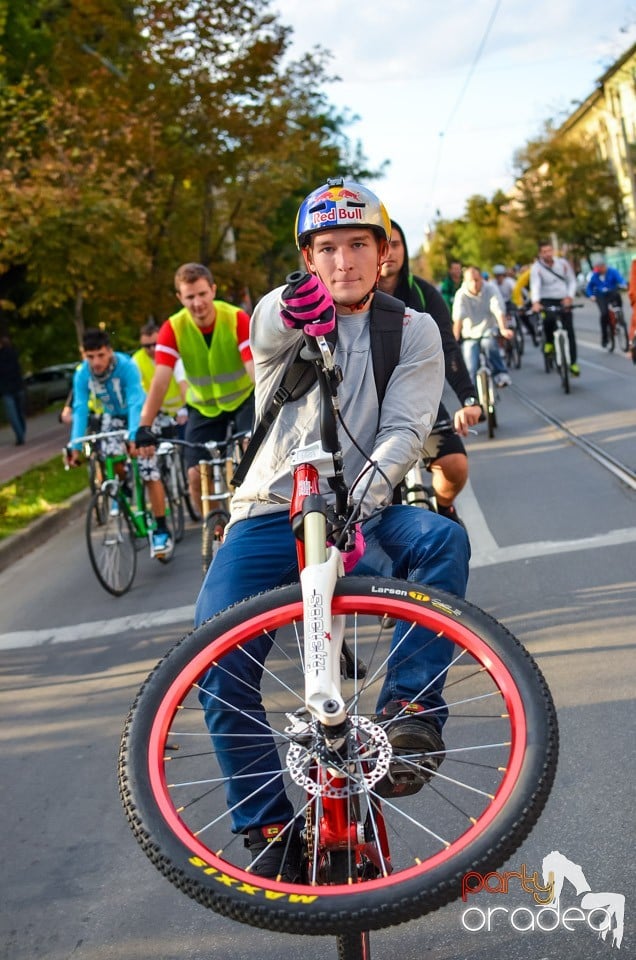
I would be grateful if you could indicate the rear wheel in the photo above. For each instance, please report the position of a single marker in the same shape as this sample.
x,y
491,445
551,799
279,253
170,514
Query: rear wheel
x,y
354,946
341,869
514,348
622,336
500,742
111,543
212,536
486,399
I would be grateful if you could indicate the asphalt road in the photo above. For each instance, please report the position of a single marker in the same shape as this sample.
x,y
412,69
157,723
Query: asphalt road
x,y
554,558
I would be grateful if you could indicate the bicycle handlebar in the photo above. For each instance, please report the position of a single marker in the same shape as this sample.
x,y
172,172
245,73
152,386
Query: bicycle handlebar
x,y
552,308
208,445
91,437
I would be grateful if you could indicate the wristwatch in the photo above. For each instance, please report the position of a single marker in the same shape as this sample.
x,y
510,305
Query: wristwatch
x,y
471,402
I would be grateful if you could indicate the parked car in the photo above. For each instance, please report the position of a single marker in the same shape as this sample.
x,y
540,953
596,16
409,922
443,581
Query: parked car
x,y
48,385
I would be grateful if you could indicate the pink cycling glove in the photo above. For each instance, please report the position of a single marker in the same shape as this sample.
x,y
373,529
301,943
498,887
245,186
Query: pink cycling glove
x,y
306,304
351,557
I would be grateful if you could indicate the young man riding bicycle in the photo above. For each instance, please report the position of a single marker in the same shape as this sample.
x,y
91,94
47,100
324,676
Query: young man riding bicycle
x,y
604,287
553,284
113,381
211,337
342,230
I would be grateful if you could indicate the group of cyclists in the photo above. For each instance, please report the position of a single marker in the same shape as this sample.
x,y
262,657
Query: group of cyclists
x,y
197,369
356,282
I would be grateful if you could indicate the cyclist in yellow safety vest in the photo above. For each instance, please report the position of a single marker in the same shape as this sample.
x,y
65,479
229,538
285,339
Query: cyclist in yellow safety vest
x,y
173,407
212,338
521,300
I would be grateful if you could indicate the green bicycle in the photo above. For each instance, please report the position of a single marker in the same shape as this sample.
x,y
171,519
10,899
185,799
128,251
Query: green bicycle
x,y
118,520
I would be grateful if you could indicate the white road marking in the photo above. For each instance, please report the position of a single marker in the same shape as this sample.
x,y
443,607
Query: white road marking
x,y
97,628
486,553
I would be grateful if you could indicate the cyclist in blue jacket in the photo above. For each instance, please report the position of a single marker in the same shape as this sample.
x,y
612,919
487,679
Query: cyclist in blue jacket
x,y
603,287
113,380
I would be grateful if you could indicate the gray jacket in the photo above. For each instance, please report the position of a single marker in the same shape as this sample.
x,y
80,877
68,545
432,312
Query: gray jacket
x,y
408,410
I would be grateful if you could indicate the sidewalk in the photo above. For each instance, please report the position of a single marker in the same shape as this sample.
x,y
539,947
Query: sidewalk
x,y
45,438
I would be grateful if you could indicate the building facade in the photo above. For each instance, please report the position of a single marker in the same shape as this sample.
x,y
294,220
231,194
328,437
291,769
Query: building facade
x,y
608,117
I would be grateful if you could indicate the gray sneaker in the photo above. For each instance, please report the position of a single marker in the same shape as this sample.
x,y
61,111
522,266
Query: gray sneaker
x,y
418,749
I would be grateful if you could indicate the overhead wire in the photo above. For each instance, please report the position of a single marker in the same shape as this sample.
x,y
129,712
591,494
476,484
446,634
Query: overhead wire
x,y
462,93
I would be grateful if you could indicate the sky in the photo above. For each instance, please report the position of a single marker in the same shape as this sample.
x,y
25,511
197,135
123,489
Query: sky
x,y
449,90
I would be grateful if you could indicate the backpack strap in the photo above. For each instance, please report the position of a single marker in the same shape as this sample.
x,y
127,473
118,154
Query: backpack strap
x,y
386,324
385,330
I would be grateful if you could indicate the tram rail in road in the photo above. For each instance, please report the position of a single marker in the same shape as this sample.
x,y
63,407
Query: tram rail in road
x,y
620,470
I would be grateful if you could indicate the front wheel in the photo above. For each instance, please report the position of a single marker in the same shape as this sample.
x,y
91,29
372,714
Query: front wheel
x,y
562,360
404,856
111,543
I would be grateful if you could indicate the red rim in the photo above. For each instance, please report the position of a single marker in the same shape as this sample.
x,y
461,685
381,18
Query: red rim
x,y
284,615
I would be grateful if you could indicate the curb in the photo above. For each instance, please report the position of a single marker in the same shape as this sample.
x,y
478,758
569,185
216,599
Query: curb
x,y
20,544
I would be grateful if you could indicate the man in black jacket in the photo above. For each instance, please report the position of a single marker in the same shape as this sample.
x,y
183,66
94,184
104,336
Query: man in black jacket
x,y
444,454
12,389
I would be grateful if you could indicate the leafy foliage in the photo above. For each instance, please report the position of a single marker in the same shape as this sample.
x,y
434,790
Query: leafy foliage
x,y
135,137
566,187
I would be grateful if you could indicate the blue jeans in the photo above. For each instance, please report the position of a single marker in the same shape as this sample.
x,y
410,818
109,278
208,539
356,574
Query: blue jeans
x,y
260,554
14,409
470,350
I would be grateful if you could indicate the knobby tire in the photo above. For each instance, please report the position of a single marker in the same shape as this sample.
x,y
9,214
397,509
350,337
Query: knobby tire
x,y
501,745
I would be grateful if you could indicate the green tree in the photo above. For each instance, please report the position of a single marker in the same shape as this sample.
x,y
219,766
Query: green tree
x,y
564,187
135,137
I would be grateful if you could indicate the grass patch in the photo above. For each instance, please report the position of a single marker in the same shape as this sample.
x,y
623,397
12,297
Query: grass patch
x,y
36,492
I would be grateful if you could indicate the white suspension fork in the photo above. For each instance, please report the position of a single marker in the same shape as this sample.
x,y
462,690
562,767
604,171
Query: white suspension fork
x,y
323,633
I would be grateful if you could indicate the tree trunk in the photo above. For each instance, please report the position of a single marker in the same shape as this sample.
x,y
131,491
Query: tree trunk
x,y
78,318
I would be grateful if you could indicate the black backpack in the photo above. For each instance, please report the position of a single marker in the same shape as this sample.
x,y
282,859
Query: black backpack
x,y
385,329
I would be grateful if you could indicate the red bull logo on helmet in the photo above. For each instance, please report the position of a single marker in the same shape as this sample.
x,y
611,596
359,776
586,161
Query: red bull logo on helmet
x,y
338,206
336,214
336,193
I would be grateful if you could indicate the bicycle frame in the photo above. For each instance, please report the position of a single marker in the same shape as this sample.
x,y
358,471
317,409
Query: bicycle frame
x,y
214,473
137,512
